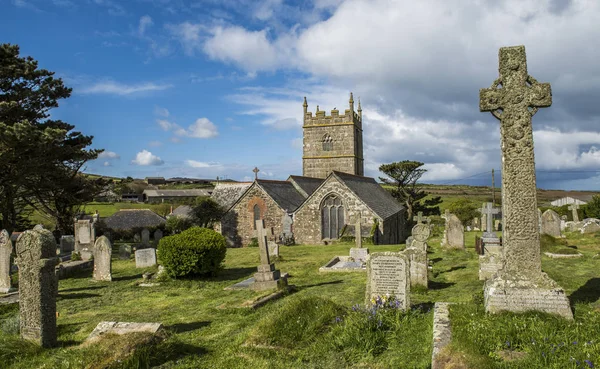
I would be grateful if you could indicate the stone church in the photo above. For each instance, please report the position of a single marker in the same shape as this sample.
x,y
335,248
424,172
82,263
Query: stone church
x,y
326,201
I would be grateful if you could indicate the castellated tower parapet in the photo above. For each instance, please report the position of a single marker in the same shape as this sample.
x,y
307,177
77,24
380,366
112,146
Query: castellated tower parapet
x,y
332,142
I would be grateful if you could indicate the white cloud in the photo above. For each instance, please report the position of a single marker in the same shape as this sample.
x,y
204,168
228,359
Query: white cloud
x,y
161,112
107,164
116,88
109,155
165,124
145,157
188,34
202,128
145,23
200,164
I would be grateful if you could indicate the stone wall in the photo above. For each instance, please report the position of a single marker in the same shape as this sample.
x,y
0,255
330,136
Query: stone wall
x,y
347,152
307,219
237,225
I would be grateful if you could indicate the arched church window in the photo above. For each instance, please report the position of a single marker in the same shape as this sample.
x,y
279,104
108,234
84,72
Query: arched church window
x,y
332,217
327,143
256,211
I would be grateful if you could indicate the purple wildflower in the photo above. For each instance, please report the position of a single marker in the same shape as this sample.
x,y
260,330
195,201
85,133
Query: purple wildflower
x,y
589,363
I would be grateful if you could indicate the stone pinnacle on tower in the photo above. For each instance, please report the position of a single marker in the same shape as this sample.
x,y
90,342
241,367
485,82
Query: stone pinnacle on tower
x,y
359,110
305,105
351,102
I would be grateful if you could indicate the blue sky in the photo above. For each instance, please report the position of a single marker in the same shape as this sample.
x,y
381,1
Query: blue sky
x,y
208,88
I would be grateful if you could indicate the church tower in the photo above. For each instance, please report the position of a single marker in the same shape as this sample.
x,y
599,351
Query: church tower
x,y
332,142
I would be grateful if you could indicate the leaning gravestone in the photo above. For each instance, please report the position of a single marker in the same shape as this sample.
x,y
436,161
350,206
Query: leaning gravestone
x,y
38,286
520,285
388,275
102,259
454,234
551,223
5,253
125,252
67,244
145,237
145,258
158,235
417,252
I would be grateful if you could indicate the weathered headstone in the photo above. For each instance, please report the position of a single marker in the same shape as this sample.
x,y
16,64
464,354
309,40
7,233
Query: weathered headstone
x,y
67,244
267,276
388,275
490,261
417,252
38,286
273,249
5,265
551,223
520,285
145,237
286,224
85,236
145,258
589,227
136,238
124,252
102,259
483,223
158,235
574,207
454,233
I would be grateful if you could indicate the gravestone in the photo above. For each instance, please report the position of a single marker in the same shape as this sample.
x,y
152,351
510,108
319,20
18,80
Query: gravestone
x,y
120,328
267,276
589,227
5,264
102,259
124,252
551,223
574,207
388,275
490,260
539,213
497,225
136,238
483,226
273,249
67,244
286,224
158,234
85,236
145,237
38,286
358,253
417,252
454,233
520,285
145,258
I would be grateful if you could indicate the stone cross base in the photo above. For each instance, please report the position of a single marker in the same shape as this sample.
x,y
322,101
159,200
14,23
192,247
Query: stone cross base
x,y
491,260
523,295
268,278
417,260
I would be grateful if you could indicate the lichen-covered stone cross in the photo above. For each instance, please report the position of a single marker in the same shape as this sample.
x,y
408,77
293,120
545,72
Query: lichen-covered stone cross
x,y
263,243
573,207
419,218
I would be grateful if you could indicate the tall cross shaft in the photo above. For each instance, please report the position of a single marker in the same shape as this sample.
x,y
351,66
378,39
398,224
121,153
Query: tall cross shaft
x,y
263,243
573,207
513,99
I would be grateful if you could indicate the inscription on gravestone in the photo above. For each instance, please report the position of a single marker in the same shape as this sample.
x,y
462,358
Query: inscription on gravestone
x,y
388,275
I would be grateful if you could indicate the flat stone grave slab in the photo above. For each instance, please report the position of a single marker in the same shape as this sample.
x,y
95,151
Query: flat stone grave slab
x,y
122,328
343,264
562,256
247,283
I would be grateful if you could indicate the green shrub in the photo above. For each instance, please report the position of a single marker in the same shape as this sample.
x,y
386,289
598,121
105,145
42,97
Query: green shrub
x,y
195,251
253,242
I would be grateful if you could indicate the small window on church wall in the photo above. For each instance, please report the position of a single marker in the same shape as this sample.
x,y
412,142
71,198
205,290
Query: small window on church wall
x,y
327,143
256,211
332,217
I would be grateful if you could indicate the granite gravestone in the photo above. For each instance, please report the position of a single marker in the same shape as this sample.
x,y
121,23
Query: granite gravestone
x,y
145,258
417,252
5,264
67,244
388,275
102,259
125,252
158,235
85,236
551,223
454,233
267,276
520,285
145,237
38,286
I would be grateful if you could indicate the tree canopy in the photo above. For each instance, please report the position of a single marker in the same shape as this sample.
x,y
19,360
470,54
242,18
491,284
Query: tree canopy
x,y
41,158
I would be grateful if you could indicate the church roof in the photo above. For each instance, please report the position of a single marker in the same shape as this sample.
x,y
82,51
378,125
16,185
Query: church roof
x,y
133,218
283,193
184,211
306,185
371,193
226,194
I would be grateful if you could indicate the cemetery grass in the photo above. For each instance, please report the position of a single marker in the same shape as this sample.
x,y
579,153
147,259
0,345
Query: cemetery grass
x,y
315,327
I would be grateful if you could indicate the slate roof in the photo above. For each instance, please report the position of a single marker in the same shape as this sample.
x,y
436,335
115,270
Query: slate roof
x,y
176,193
283,192
184,211
371,193
133,218
308,185
226,194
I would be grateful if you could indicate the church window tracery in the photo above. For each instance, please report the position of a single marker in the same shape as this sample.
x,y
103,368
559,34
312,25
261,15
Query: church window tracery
x,y
327,142
332,217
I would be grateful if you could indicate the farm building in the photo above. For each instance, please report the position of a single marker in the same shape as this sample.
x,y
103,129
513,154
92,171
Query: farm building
x,y
573,199
158,196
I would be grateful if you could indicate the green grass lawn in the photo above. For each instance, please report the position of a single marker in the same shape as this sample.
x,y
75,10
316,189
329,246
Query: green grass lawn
x,y
315,327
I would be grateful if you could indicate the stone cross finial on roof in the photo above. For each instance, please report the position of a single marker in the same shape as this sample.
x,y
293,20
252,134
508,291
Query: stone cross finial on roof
x,y
256,170
419,218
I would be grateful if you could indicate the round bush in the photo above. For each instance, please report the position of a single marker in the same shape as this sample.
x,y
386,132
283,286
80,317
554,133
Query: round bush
x,y
195,251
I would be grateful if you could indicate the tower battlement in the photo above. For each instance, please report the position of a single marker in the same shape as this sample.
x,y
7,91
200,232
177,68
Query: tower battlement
x,y
332,142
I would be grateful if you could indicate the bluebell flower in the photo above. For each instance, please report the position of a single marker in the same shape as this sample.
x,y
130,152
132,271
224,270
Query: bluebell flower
x,y
589,363
507,344
574,342
338,319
